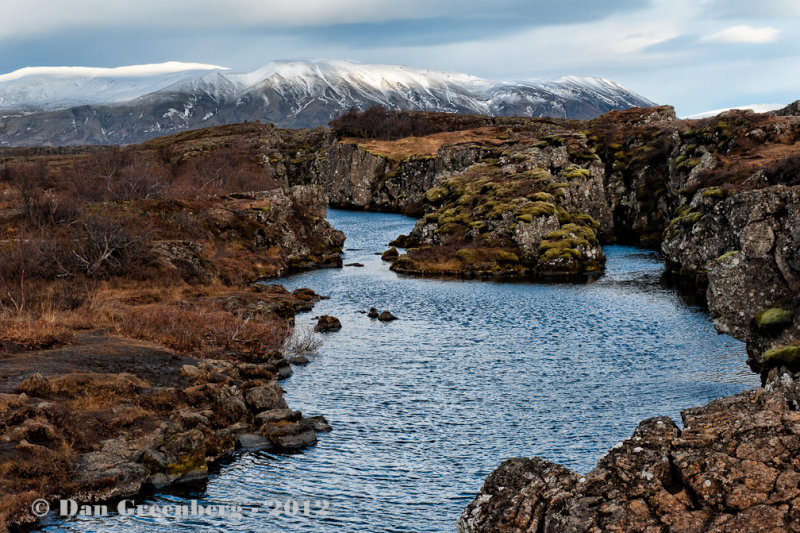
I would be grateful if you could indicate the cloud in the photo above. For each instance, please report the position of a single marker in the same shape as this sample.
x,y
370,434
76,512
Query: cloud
x,y
43,17
744,34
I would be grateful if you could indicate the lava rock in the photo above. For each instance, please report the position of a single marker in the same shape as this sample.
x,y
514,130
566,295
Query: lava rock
x,y
391,254
386,316
328,323
299,360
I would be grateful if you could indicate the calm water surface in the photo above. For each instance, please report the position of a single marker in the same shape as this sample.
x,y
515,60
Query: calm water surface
x,y
424,408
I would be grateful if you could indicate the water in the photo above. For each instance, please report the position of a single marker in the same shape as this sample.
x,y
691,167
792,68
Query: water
x,y
424,408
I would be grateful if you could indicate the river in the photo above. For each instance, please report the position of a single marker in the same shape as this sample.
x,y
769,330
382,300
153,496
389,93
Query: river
x,y
424,408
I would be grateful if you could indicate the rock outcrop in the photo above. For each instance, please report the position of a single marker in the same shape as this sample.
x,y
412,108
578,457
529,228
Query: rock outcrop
x,y
732,468
535,208
747,246
357,177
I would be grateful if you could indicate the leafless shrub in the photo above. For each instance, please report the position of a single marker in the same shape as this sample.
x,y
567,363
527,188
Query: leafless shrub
x,y
103,247
301,341
138,179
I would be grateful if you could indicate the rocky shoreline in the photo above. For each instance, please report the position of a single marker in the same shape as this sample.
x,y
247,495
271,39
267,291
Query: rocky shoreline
x,y
733,467
118,417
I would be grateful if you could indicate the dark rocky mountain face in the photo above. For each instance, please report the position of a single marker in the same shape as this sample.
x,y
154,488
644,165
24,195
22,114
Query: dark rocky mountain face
x,y
304,95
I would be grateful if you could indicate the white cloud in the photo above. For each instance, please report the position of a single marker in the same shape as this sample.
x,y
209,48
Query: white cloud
x,y
744,34
637,42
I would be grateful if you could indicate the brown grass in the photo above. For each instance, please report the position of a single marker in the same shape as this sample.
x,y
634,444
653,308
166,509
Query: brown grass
x,y
34,334
429,145
195,330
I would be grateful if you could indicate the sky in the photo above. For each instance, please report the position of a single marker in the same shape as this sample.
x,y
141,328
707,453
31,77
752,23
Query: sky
x,y
697,55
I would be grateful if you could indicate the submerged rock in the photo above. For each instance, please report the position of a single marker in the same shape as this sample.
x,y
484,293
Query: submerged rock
x,y
328,323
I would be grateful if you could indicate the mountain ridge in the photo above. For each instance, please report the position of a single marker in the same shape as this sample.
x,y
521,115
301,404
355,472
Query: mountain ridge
x,y
292,94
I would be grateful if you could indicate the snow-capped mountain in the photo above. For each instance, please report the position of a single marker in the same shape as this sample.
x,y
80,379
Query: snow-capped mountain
x,y
757,108
99,106
49,88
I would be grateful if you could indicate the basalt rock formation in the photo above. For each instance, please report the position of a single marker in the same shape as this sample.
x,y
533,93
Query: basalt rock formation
x,y
732,468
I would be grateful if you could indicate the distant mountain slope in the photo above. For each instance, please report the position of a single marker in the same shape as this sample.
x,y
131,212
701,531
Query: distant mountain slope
x,y
87,109
757,108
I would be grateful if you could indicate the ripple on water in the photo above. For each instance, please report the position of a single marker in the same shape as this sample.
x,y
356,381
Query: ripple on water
x,y
424,408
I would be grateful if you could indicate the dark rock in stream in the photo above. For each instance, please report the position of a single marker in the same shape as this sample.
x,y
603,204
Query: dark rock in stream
x,y
386,316
373,313
327,323
391,254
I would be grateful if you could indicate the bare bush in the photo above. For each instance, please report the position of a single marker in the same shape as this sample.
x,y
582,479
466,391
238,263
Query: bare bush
x,y
105,247
301,341
138,179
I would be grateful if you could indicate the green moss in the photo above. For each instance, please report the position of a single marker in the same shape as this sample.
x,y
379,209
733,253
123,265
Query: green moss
x,y
536,209
466,200
525,218
436,195
507,257
537,175
189,463
575,173
541,197
727,255
560,253
583,219
788,356
714,192
774,320
467,256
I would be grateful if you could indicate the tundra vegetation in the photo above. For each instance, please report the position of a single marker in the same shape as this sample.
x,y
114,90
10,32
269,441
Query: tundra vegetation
x,y
118,267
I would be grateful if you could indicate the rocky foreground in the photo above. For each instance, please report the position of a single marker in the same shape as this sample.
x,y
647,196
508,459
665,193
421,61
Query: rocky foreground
x,y
734,467
138,348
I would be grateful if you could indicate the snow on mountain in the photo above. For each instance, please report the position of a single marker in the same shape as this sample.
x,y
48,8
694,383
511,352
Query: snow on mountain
x,y
758,108
135,103
48,88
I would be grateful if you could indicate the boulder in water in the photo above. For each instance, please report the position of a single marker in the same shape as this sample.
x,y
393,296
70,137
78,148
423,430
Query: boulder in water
x,y
328,323
386,316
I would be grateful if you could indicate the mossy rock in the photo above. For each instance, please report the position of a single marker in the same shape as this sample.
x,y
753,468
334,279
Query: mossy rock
x,y
560,253
436,195
714,192
541,197
788,356
775,320
583,219
536,209
467,256
507,257
575,173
